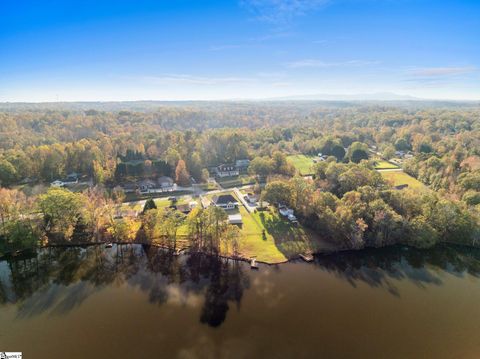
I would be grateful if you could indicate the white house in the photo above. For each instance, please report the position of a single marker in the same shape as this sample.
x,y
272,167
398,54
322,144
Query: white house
x,y
251,198
292,218
225,201
71,179
285,211
226,170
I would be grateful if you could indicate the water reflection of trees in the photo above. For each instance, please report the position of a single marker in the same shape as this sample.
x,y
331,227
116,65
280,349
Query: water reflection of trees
x,y
59,279
377,267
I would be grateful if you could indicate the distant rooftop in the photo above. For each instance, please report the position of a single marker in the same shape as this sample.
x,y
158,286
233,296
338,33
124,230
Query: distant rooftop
x,y
224,199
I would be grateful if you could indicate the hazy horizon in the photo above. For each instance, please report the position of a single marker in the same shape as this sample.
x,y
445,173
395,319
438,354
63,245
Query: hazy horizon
x,y
294,98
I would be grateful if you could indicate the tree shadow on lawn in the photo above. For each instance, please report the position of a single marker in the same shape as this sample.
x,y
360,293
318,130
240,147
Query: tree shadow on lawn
x,y
291,240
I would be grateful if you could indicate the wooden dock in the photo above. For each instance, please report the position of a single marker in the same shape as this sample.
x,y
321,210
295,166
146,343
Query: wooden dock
x,y
308,257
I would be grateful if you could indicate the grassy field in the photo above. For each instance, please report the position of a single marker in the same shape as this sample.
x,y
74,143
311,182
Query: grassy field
x,y
208,186
282,240
398,178
163,202
254,244
302,163
384,165
133,196
237,181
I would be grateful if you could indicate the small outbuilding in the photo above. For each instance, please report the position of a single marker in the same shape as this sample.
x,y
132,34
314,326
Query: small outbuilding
x,y
57,183
235,219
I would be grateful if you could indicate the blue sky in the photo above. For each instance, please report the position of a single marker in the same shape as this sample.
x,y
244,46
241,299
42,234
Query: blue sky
x,y
171,50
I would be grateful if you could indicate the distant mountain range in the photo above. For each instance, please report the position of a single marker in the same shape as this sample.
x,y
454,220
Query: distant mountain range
x,y
378,96
312,100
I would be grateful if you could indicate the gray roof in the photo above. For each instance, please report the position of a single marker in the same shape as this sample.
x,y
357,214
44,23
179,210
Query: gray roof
x,y
224,199
164,179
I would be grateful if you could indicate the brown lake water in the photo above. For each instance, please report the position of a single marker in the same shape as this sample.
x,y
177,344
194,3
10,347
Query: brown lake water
x,y
137,302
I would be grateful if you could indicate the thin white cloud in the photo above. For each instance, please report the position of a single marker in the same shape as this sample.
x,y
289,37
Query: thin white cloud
x,y
442,71
434,77
312,63
279,11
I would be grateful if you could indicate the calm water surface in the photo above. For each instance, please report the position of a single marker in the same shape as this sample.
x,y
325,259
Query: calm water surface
x,y
136,302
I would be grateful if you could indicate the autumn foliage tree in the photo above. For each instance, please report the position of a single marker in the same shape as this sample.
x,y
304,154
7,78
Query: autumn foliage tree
x,y
181,174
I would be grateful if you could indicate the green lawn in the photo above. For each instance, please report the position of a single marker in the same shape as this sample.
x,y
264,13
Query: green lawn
x,y
384,165
133,196
398,178
208,186
134,206
237,181
282,239
163,202
253,244
302,163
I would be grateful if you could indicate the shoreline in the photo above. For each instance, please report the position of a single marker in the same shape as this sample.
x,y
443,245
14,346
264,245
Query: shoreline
x,y
178,251
298,257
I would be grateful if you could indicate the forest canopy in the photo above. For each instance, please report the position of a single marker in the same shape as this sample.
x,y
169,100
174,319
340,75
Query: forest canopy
x,y
345,199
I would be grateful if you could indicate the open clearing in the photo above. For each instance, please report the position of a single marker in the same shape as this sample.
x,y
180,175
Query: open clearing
x,y
384,165
236,181
398,178
303,163
281,241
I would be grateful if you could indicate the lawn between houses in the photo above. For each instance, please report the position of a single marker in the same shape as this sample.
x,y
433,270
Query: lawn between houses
x,y
280,242
303,163
236,181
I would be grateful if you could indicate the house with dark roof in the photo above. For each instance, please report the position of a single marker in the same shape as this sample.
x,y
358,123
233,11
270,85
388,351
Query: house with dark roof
x,y
225,201
70,180
165,182
242,165
129,187
146,185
